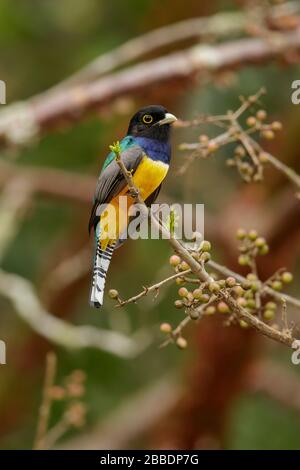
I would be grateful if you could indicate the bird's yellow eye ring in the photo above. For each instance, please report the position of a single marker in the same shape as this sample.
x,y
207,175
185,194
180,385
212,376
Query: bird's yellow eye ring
x,y
147,119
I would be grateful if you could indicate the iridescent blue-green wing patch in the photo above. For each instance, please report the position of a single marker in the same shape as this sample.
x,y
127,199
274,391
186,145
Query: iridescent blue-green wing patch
x,y
125,144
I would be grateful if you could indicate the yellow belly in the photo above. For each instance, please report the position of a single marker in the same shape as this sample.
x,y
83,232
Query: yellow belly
x,y
146,179
149,175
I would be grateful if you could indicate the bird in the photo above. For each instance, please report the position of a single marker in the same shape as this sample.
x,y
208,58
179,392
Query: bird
x,y
146,153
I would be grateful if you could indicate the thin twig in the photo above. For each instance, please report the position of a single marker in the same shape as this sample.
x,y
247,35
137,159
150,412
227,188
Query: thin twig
x,y
45,408
152,288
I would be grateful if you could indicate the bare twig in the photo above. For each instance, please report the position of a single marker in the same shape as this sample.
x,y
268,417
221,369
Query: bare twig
x,y
154,287
45,408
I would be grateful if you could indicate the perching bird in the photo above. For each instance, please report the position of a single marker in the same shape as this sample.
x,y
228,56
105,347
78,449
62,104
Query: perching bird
x,y
146,152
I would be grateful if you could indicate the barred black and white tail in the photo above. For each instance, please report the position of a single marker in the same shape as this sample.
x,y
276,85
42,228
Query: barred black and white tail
x,y
101,265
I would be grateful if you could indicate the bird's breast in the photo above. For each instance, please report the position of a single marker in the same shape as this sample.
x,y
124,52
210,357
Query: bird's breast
x,y
149,175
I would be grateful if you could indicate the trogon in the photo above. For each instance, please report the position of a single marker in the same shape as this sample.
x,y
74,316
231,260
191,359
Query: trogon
x,y
146,153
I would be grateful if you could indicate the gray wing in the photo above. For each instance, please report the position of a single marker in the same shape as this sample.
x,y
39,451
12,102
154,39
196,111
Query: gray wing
x,y
112,181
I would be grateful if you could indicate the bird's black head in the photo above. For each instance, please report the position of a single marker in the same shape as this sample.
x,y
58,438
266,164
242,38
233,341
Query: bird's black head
x,y
153,122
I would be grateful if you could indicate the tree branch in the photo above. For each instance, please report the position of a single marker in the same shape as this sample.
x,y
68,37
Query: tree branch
x,y
198,269
21,294
24,121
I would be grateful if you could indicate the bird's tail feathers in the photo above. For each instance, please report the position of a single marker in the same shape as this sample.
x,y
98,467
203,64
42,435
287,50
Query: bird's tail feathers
x,y
101,265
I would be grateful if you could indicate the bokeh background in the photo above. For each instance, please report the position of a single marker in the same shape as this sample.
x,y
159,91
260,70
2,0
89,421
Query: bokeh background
x,y
231,389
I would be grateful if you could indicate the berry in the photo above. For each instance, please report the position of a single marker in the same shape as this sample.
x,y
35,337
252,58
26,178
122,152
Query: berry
x,y
260,242
252,234
261,115
230,281
268,314
214,287
183,292
205,246
181,343
251,121
268,134
271,306
276,126
263,157
113,293
243,260
286,277
205,257
277,285
197,293
165,328
210,310
223,307
194,315
174,260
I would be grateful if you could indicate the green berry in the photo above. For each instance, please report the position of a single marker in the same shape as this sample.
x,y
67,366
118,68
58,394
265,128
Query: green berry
x,y
252,235
241,234
268,314
205,246
246,285
243,260
254,286
197,293
286,277
239,291
205,257
214,287
264,250
260,242
183,292
205,298
270,306
251,303
223,307
178,303
183,266
113,293
251,277
277,285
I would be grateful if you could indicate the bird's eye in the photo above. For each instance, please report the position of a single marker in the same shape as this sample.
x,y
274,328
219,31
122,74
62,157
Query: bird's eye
x,y
147,119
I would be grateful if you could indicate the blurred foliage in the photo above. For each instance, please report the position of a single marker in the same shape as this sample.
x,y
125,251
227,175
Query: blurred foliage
x,y
41,42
